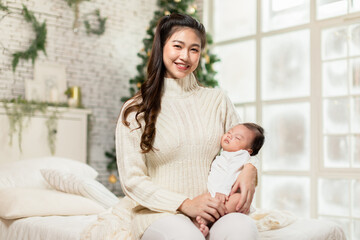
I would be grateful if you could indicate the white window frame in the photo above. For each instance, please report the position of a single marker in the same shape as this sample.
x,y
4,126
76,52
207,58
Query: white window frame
x,y
317,169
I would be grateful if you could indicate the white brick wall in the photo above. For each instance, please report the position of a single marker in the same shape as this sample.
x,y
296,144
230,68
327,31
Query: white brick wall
x,y
100,65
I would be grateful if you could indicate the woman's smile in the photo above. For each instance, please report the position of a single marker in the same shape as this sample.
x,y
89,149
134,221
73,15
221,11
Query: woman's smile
x,y
182,66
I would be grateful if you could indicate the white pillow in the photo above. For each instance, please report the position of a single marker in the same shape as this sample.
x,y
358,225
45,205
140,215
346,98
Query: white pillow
x,y
87,187
26,202
26,173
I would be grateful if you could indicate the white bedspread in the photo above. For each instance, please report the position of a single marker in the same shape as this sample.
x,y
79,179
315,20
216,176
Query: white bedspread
x,y
45,228
71,227
306,229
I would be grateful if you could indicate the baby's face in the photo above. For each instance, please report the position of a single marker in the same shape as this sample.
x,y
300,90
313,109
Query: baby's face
x,y
237,138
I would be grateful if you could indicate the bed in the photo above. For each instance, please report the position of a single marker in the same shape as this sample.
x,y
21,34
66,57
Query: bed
x,y
70,228
56,198
49,198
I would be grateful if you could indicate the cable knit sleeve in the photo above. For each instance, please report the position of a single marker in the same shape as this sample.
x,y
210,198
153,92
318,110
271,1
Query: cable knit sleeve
x,y
133,172
231,117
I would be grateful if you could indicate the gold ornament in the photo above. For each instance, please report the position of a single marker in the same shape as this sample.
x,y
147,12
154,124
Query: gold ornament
x,y
148,53
112,179
74,96
166,13
138,85
207,58
192,9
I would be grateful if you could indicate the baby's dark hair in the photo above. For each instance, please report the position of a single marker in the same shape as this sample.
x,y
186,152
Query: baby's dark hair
x,y
259,139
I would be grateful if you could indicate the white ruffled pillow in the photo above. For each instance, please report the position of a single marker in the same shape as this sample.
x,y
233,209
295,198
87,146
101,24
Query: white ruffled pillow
x,y
26,173
27,202
87,187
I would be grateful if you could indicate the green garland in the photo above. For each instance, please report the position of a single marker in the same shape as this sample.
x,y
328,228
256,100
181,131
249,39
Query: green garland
x,y
51,124
4,8
38,44
20,113
72,3
112,165
101,28
75,5
8,12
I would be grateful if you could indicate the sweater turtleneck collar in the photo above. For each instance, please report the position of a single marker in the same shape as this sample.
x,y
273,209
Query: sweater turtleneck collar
x,y
180,87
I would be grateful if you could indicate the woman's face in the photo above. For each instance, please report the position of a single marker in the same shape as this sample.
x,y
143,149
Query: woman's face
x,y
181,53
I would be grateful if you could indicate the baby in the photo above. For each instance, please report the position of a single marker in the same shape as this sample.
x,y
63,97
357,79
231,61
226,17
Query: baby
x,y
238,144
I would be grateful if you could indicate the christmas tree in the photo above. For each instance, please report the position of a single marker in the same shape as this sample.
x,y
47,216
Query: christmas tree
x,y
205,72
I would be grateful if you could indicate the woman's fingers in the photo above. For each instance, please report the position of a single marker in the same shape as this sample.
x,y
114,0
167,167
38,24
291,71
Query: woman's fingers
x,y
245,201
205,206
213,207
207,216
213,211
247,204
218,206
245,182
241,202
234,188
221,209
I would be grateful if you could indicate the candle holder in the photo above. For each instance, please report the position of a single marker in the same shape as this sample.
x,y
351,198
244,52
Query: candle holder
x,y
74,96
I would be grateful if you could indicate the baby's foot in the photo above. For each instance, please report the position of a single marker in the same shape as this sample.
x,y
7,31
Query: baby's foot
x,y
202,225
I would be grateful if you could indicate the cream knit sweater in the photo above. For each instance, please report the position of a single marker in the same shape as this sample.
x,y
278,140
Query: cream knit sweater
x,y
188,132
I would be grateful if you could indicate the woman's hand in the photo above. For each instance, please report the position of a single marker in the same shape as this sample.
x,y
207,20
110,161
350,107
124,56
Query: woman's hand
x,y
204,206
222,197
246,183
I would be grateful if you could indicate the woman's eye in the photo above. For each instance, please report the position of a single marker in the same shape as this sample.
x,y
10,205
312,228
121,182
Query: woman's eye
x,y
195,50
177,46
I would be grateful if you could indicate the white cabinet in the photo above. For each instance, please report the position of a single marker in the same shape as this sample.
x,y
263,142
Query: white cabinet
x,y
71,136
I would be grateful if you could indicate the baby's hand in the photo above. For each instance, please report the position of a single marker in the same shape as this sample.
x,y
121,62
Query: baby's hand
x,y
222,197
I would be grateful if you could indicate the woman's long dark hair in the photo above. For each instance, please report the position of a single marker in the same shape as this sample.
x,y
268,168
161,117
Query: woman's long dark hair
x,y
148,99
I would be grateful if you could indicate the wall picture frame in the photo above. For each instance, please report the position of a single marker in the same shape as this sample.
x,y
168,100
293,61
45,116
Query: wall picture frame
x,y
48,84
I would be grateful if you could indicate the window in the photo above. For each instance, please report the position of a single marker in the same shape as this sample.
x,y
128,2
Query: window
x,y
293,66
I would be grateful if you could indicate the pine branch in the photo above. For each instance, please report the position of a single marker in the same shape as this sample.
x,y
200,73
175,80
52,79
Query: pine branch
x,y
38,44
101,27
74,2
4,8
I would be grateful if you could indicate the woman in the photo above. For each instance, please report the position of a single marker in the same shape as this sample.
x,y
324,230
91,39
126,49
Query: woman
x,y
166,138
